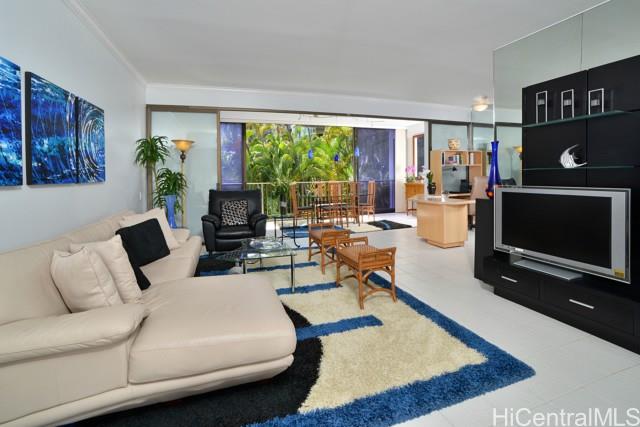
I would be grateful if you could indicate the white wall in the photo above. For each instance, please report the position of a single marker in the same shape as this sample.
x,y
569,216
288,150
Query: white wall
x,y
47,38
400,164
300,102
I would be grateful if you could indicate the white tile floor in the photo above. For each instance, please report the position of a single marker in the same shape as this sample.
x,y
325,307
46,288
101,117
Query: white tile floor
x,y
574,370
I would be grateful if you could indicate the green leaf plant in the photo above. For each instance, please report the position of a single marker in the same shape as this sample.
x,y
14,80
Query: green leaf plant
x,y
169,183
150,152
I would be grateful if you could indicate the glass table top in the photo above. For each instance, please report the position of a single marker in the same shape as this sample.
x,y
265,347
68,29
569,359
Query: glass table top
x,y
257,248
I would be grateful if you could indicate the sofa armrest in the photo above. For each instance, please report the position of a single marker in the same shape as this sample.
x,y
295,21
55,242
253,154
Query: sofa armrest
x,y
181,234
213,219
255,218
48,336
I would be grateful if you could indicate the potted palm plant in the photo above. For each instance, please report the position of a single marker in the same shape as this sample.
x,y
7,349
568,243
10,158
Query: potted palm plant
x,y
170,189
150,152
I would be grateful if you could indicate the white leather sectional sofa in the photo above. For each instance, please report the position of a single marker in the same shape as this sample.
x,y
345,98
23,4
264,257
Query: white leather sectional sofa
x,y
189,335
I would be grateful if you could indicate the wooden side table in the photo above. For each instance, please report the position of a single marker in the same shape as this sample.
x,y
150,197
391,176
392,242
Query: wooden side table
x,y
363,260
326,237
412,189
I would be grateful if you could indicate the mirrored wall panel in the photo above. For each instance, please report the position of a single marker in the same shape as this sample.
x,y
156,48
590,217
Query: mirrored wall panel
x,y
201,163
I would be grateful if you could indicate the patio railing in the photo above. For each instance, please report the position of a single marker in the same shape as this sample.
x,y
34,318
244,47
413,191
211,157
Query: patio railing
x,y
274,199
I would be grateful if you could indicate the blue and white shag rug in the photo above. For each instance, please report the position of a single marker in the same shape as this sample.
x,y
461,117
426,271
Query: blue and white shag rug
x,y
386,364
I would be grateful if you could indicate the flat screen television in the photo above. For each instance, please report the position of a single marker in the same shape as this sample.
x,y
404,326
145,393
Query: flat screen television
x,y
583,229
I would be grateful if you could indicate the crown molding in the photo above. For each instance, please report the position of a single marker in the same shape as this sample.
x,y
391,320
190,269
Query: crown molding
x,y
92,25
298,93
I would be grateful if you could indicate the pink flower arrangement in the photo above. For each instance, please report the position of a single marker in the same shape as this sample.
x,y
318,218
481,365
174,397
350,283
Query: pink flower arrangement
x,y
411,173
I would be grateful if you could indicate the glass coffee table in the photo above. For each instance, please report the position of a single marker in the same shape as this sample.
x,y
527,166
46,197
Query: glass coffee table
x,y
257,249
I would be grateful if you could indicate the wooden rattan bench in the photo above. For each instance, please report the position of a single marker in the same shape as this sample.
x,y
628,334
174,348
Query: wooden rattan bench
x,y
325,236
363,260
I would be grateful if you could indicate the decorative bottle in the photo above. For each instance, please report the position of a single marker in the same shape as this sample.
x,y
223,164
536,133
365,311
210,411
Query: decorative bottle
x,y
494,173
170,203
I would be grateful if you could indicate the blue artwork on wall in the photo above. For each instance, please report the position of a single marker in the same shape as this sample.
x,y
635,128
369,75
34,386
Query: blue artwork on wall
x,y
50,125
91,167
10,124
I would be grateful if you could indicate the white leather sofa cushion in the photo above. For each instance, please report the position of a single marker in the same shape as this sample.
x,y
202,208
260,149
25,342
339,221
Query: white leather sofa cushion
x,y
181,234
30,387
47,336
179,264
205,324
189,249
168,269
83,280
115,257
26,286
158,214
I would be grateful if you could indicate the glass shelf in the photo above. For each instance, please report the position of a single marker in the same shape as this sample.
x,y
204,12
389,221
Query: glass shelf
x,y
560,168
576,118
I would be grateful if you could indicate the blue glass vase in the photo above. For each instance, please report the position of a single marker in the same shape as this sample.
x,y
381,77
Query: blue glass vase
x,y
170,204
494,173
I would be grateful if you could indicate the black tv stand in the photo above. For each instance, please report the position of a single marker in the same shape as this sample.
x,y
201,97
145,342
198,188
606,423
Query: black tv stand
x,y
602,307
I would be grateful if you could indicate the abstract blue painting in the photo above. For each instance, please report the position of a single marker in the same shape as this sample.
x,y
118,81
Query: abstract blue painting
x,y
10,124
50,124
91,155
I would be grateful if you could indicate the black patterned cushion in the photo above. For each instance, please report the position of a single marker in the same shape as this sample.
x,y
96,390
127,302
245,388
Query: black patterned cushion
x,y
235,212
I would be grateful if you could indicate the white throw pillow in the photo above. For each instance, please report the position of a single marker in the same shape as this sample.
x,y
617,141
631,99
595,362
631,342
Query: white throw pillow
x,y
158,214
83,280
115,257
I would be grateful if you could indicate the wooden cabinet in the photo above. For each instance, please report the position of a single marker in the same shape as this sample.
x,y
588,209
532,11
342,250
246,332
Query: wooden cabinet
x,y
618,83
605,135
412,189
557,99
614,140
603,308
441,160
542,148
443,223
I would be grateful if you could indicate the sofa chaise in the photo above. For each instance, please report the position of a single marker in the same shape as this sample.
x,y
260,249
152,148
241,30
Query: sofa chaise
x,y
189,335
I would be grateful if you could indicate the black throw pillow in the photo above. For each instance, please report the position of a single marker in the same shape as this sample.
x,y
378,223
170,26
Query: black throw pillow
x,y
144,242
143,282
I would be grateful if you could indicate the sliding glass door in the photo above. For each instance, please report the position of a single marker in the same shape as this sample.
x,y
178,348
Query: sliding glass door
x,y
375,154
232,155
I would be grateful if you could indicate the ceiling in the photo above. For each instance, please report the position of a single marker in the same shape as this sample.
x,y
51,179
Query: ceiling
x,y
437,51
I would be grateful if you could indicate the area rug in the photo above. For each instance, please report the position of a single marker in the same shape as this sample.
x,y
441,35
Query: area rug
x,y
386,364
302,231
385,224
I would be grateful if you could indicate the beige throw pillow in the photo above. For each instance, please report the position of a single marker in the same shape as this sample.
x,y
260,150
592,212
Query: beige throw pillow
x,y
158,214
83,280
115,257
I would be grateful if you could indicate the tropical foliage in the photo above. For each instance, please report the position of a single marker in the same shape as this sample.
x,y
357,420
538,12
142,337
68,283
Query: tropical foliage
x,y
282,154
150,152
169,183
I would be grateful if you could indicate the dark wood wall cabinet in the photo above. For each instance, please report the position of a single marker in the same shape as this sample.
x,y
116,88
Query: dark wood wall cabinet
x,y
602,307
594,117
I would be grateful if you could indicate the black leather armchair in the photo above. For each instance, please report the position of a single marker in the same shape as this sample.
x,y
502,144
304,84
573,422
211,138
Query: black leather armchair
x,y
218,237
